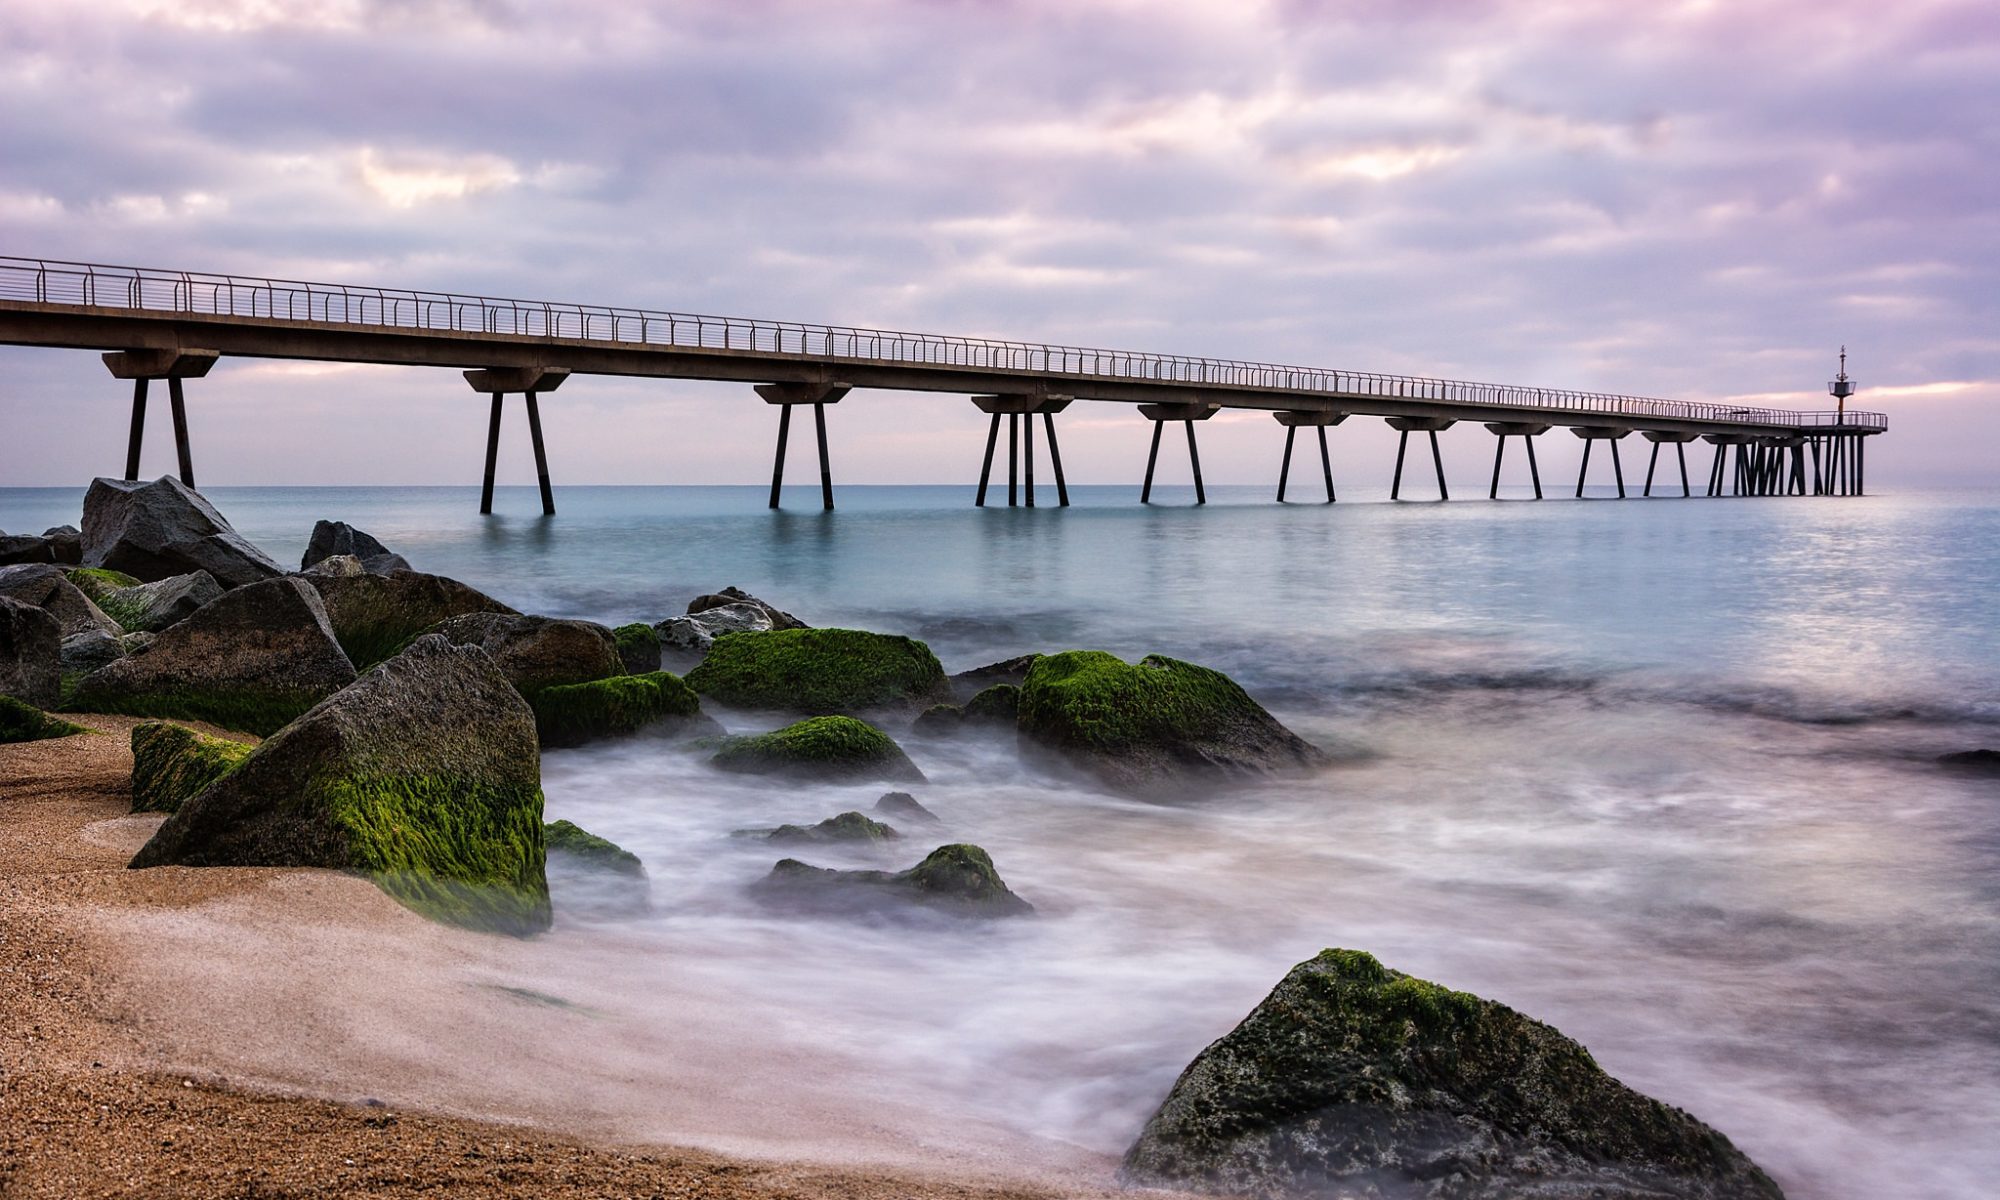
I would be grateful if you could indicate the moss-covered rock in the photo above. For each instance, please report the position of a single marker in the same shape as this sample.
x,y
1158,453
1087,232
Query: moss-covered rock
x,y
638,647
46,586
252,660
99,582
939,720
538,652
423,774
958,879
1352,1079
820,671
21,722
566,837
997,705
820,747
902,806
967,684
172,764
374,616
846,827
151,607
1148,725
30,653
576,713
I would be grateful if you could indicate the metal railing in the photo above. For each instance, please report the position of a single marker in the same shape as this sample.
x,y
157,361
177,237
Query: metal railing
x,y
51,282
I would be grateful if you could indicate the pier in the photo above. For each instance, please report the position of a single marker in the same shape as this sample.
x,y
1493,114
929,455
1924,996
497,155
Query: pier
x,y
174,326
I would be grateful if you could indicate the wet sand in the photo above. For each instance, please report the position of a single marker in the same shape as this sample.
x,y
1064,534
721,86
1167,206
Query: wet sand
x,y
166,1034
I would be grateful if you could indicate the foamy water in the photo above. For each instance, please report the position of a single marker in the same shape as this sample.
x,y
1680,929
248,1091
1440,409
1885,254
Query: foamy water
x,y
1659,774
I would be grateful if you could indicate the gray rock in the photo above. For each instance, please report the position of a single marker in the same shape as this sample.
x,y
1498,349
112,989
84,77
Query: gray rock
x,y
374,616
25,548
733,595
594,876
66,544
252,660
163,528
697,632
967,684
85,652
902,806
132,643
1354,1080
44,585
957,880
424,774
847,827
342,565
330,538
30,653
151,607
539,652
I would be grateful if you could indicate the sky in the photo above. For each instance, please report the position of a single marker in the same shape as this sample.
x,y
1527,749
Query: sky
x,y
1701,201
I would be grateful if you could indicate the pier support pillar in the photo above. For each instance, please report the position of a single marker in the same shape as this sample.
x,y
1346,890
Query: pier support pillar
x,y
529,382
1592,434
1720,481
1408,425
1318,421
1020,409
1186,414
1527,431
144,366
1679,441
788,396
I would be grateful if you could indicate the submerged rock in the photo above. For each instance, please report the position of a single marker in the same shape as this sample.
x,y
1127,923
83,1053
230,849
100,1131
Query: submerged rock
x,y
638,647
423,774
846,827
330,538
593,875
538,652
902,806
1354,1080
820,671
1140,726
967,684
172,764
30,653
22,722
997,705
820,748
1986,762
154,530
573,714
959,880
568,838
252,660
151,607
693,635
778,618
939,720
48,586
374,616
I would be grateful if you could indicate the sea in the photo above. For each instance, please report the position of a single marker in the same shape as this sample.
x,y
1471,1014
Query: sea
x,y
1662,773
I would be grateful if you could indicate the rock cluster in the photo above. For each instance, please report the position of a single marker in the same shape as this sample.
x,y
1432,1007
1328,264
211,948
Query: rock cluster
x,y
154,530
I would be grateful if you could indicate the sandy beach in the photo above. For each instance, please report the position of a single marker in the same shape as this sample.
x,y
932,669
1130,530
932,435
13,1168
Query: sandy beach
x,y
145,1055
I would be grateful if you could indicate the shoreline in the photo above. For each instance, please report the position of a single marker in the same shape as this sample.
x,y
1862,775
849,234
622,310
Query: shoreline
x,y
119,1078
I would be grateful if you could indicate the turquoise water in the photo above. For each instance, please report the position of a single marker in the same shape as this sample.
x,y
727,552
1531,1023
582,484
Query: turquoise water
x,y
1659,772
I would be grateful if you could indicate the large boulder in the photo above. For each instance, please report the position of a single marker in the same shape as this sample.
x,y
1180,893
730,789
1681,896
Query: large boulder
x,y
172,764
252,660
959,880
374,616
46,585
820,748
902,806
423,774
338,537
638,647
20,722
65,544
694,634
1354,1080
734,595
539,652
1150,725
154,530
821,671
25,548
151,607
594,876
30,653
575,713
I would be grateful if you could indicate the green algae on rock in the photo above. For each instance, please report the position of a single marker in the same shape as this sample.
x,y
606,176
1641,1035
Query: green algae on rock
x,y
821,747
957,879
999,704
21,722
171,764
373,616
572,714
1154,722
845,827
538,652
638,647
423,774
1353,1079
819,671
99,582
567,837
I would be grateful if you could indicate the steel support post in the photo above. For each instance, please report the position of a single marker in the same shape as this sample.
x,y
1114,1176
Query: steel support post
x,y
1326,464
1055,459
825,467
138,429
1652,463
1152,457
1583,470
1499,451
778,466
492,455
1028,457
1396,483
1617,468
1534,470
179,406
1860,466
986,464
1194,461
1680,449
1285,464
1437,460
1013,460
541,453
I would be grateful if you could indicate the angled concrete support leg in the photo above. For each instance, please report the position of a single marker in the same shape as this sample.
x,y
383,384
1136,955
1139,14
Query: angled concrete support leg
x,y
143,366
541,454
1431,425
1285,463
986,464
1152,459
138,436
1055,457
1020,409
1318,420
1527,431
182,450
492,454
1592,434
529,381
778,463
1187,413
788,396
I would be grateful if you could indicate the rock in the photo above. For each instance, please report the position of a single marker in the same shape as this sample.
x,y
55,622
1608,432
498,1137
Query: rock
x,y
252,660
45,585
904,807
695,634
565,837
967,684
1153,724
1352,1079
638,647
154,530
572,714
172,764
593,876
847,827
939,720
819,671
151,607
374,616
336,564
331,538
84,652
25,548
538,652
422,774
959,880
997,705
1985,762
98,583
65,544
778,618
22,722
820,748
30,653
